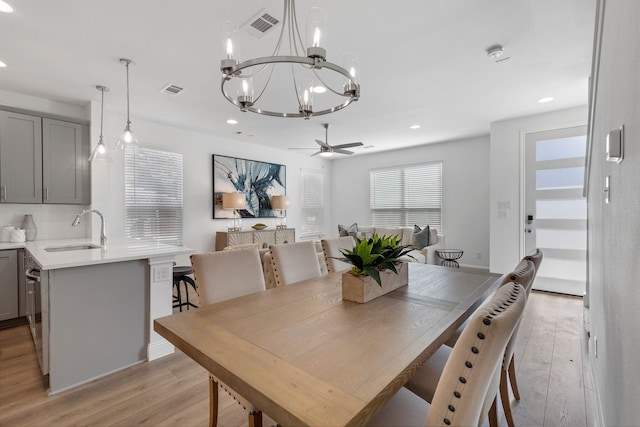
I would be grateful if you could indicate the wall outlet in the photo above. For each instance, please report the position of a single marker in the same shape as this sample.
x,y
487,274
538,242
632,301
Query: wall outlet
x,y
478,255
160,274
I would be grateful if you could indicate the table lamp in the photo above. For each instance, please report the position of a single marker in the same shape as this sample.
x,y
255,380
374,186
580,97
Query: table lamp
x,y
280,203
234,201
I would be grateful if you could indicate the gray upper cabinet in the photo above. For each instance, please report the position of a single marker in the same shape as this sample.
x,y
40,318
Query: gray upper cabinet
x,y
43,160
65,168
20,158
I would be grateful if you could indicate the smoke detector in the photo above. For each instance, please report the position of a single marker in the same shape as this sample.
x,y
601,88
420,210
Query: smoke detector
x,y
495,51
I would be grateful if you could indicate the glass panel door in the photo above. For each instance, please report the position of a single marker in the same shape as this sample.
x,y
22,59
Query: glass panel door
x,y
555,208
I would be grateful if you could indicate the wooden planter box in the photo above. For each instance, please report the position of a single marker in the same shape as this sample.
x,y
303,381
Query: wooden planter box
x,y
363,288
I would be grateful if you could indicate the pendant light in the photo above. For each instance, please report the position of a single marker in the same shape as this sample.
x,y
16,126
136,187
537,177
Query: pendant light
x,y
100,152
127,139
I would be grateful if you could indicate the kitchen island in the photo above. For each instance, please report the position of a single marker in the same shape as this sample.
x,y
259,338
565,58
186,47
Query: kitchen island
x,y
98,304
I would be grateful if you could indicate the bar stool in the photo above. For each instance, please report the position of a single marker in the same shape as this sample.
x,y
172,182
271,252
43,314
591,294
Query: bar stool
x,y
180,275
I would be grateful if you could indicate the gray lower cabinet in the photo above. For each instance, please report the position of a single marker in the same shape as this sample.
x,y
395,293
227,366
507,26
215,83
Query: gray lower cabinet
x,y
65,165
20,158
8,284
43,160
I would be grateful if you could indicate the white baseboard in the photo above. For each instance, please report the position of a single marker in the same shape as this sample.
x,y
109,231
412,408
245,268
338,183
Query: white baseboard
x,y
159,349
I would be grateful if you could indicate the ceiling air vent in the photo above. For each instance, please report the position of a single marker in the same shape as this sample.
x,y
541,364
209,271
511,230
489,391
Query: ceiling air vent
x,y
172,89
260,24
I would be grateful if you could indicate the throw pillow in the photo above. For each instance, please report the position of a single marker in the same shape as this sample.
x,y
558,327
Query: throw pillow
x,y
351,230
420,237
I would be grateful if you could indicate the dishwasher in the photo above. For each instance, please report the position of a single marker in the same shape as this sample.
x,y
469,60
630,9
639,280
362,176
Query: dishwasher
x,y
37,318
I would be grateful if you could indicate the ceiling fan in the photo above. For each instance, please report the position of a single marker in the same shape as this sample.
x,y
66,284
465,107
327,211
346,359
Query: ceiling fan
x,y
327,150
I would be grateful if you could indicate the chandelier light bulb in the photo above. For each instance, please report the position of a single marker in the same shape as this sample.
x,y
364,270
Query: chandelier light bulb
x,y
316,37
229,48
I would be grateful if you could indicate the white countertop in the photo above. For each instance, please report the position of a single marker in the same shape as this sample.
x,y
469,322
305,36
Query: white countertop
x,y
8,245
116,250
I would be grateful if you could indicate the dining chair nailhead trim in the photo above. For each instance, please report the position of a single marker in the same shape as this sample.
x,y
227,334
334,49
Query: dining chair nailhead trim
x,y
481,336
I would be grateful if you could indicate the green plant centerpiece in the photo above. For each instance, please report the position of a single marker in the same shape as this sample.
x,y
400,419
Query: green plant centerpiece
x,y
371,256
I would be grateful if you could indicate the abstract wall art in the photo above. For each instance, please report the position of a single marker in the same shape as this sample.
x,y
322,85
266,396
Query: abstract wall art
x,y
258,181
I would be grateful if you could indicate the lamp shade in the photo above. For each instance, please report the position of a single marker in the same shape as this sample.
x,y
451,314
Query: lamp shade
x,y
279,202
233,201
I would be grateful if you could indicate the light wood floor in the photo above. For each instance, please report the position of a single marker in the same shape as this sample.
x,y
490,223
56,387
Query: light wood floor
x,y
551,362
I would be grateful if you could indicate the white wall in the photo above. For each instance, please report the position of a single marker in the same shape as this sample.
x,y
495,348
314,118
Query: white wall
x,y
614,228
197,150
465,186
506,181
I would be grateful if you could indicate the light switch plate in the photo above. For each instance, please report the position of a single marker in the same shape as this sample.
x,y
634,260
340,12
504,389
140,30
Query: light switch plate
x,y
615,145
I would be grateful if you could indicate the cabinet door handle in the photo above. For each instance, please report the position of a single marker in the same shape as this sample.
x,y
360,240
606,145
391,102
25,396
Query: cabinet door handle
x,y
46,194
4,193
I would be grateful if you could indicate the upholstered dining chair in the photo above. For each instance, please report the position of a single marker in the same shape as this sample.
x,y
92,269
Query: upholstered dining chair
x,y
536,258
523,274
221,276
331,249
462,383
293,262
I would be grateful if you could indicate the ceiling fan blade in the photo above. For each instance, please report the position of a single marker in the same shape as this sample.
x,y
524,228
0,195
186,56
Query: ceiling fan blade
x,y
316,153
301,148
351,144
323,144
337,150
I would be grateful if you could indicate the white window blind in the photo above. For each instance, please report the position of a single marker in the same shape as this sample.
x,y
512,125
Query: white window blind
x,y
312,202
406,195
153,195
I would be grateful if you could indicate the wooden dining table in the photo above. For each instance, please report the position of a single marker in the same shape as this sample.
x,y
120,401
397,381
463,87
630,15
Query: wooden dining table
x,y
304,356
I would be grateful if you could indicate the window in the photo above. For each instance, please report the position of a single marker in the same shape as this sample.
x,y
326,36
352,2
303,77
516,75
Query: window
x,y
312,202
406,195
153,195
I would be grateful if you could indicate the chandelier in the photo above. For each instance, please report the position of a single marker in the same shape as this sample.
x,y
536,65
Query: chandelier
x,y
305,75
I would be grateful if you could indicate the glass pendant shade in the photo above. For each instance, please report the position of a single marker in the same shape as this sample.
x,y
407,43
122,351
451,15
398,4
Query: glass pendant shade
x,y
101,152
127,140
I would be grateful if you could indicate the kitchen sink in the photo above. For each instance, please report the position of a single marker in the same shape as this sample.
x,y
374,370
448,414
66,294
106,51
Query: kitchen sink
x,y
71,248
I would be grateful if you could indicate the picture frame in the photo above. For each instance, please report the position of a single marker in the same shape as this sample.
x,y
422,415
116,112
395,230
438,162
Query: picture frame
x,y
257,180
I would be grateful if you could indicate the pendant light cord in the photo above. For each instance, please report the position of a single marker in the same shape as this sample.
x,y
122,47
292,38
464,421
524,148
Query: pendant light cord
x,y
128,121
101,113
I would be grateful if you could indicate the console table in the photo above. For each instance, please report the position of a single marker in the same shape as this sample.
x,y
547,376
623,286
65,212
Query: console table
x,y
263,237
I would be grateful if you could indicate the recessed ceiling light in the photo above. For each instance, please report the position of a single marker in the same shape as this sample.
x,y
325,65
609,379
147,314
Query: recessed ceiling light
x,y
545,99
232,122
319,89
5,7
414,127
2,64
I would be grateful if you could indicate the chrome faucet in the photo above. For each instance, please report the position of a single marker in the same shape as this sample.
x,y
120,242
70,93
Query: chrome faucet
x,y
103,232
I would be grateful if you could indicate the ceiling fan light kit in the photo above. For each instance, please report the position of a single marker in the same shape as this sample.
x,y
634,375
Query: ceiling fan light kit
x,y
241,74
